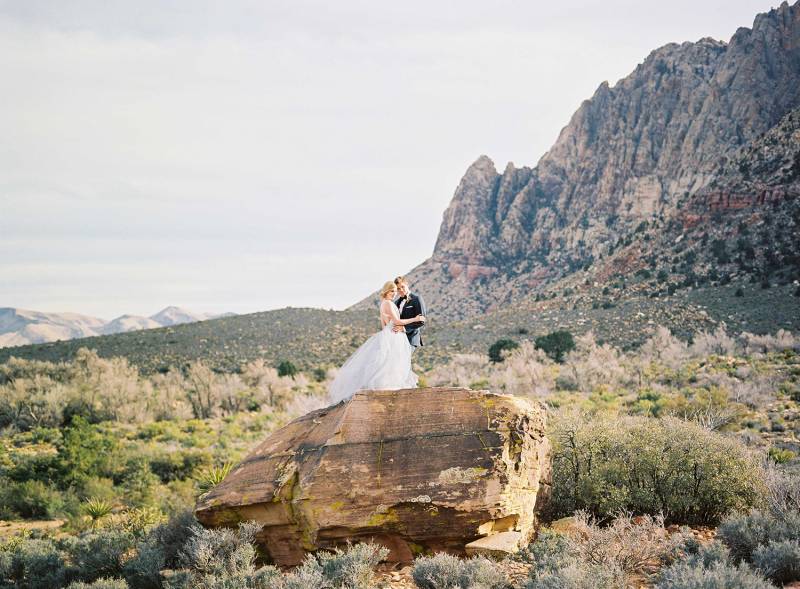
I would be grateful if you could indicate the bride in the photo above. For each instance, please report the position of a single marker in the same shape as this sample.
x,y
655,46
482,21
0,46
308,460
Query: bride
x,y
384,360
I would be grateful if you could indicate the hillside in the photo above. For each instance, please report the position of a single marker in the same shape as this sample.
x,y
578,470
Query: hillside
x,y
308,337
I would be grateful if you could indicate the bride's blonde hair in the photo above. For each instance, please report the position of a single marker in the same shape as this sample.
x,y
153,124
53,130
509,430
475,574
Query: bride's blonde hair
x,y
387,288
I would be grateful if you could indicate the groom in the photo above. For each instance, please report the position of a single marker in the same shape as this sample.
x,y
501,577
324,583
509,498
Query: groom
x,y
410,305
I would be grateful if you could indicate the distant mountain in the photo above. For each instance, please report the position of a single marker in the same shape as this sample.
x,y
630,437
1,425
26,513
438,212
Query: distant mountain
x,y
176,316
125,323
19,327
693,124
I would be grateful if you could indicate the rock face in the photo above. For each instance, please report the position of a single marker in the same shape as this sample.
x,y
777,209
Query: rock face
x,y
415,470
629,154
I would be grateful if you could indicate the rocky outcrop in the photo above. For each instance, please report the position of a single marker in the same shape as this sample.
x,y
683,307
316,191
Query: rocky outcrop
x,y
629,154
414,470
759,175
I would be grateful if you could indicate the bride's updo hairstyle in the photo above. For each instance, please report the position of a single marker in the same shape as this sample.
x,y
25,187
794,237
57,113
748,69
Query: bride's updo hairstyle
x,y
387,288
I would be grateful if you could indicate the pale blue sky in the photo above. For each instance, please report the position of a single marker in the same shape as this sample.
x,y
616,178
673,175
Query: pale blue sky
x,y
248,155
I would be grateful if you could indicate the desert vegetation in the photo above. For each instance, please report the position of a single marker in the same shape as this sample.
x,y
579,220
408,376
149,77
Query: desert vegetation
x,y
646,441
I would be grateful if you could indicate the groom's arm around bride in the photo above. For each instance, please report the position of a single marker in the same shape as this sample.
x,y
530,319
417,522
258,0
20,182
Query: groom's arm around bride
x,y
410,305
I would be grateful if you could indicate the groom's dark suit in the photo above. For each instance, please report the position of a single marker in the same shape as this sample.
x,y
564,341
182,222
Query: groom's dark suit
x,y
414,306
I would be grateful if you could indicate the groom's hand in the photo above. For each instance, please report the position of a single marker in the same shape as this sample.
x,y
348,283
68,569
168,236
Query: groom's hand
x,y
398,328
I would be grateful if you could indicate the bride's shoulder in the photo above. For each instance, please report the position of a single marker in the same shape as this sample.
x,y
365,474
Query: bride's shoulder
x,y
386,302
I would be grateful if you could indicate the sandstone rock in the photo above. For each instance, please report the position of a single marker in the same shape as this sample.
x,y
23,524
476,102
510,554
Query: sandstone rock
x,y
498,545
414,470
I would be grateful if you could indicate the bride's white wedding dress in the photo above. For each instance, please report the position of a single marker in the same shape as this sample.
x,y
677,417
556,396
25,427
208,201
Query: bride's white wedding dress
x,y
382,362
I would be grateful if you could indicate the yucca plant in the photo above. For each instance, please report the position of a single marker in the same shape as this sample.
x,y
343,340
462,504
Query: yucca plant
x,y
97,509
212,476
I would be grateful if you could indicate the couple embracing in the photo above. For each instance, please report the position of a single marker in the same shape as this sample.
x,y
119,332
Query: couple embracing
x,y
384,360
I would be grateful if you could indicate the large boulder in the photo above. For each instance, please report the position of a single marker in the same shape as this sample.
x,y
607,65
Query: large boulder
x,y
416,470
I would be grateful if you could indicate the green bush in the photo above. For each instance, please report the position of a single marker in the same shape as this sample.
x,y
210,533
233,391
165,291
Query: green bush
x,y
556,344
443,571
497,349
30,499
287,368
643,465
87,451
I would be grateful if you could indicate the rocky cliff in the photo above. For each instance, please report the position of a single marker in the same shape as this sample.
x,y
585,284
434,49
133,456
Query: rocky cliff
x,y
629,155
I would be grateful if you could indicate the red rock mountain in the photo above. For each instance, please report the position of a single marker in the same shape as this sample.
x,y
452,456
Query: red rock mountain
x,y
630,154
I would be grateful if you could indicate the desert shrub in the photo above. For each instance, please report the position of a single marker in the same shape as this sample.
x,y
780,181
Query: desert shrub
x,y
351,568
783,491
33,564
525,372
642,465
30,499
462,370
550,551
590,366
201,391
220,553
632,545
751,343
178,465
308,574
26,403
744,533
720,575
779,561
717,342
443,571
499,349
705,555
86,451
99,584
556,344
578,575
663,348
559,562
98,553
160,549
112,386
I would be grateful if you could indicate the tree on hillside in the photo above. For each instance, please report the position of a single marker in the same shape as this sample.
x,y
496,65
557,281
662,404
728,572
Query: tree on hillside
x,y
502,345
556,344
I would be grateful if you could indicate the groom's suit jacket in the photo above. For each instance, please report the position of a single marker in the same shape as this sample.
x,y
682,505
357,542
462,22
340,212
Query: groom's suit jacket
x,y
415,305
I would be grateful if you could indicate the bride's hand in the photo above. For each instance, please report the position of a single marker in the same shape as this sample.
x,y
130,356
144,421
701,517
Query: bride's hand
x,y
420,318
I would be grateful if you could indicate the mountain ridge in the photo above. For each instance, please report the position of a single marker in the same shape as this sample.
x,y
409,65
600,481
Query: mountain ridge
x,y
23,326
629,154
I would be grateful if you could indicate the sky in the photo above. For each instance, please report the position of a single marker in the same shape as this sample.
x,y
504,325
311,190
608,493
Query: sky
x,y
246,155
